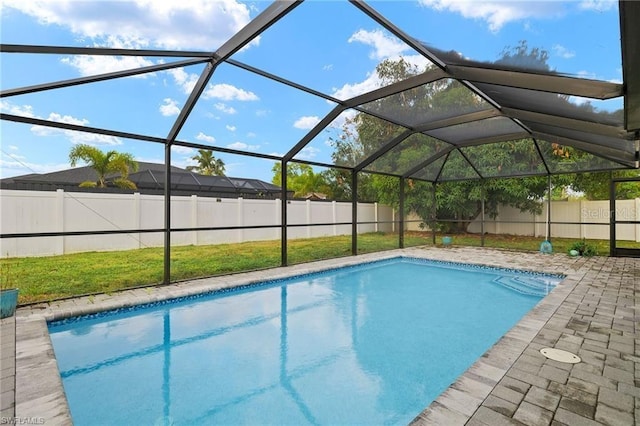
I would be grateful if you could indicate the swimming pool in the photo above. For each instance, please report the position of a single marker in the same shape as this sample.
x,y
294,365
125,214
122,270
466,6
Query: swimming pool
x,y
369,344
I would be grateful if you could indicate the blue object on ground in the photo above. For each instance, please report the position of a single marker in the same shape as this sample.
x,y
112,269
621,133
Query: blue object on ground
x,y
546,247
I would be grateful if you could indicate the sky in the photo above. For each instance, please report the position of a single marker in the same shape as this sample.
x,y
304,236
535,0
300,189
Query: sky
x,y
329,46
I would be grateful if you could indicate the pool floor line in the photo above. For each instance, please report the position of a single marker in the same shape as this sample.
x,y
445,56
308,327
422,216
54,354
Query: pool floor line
x,y
506,385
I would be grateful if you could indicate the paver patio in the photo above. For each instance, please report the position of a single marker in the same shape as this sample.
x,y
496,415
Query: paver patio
x,y
592,313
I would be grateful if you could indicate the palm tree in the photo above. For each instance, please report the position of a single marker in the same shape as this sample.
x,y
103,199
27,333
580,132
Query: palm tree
x,y
105,163
207,164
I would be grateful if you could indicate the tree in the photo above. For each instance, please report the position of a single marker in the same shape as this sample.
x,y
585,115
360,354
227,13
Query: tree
x,y
459,197
207,164
595,186
301,179
459,200
111,162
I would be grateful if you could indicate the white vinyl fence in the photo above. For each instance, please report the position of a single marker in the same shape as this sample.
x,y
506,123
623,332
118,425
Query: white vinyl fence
x,y
46,211
585,217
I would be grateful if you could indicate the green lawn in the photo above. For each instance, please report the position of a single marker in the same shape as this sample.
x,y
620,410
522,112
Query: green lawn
x,y
54,277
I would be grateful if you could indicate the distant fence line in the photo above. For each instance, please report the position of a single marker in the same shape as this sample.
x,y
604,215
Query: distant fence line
x,y
60,211
573,219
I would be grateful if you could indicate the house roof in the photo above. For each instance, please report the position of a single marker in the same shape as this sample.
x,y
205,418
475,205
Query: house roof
x,y
149,177
77,175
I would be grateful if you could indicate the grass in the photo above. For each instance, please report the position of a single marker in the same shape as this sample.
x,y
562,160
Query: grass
x,y
56,277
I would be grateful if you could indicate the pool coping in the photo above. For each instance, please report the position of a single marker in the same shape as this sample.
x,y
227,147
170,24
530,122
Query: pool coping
x,y
39,391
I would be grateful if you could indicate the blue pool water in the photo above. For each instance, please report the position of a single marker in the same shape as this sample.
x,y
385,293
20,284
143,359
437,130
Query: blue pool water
x,y
372,344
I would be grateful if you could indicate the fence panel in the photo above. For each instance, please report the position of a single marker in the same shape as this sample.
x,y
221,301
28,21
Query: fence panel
x,y
45,211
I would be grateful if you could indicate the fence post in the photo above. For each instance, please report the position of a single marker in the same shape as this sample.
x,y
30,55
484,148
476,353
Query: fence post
x,y
334,212
60,220
308,217
278,217
638,219
136,215
240,219
375,216
583,227
194,219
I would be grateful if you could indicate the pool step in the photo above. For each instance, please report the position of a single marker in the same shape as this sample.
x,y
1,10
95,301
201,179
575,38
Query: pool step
x,y
533,286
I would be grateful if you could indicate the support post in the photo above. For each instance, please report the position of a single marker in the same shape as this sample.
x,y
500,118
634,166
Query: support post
x,y
354,212
283,215
549,208
167,213
612,217
401,214
482,217
434,212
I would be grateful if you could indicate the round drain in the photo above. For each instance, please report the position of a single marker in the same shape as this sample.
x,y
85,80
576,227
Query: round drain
x,y
560,355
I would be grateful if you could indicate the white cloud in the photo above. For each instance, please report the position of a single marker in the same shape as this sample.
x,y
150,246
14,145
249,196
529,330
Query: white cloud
x,y
586,74
224,108
169,107
251,135
307,153
92,65
579,100
223,91
205,138
385,45
184,150
328,67
72,135
598,5
231,128
497,13
243,146
183,79
16,166
196,24
227,92
339,122
12,148
262,112
306,122
563,52
372,81
348,91
21,110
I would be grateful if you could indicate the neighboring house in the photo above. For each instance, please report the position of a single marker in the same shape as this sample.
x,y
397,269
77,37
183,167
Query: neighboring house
x,y
149,179
315,196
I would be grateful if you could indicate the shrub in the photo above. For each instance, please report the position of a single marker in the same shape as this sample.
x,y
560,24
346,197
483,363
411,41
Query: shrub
x,y
583,248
